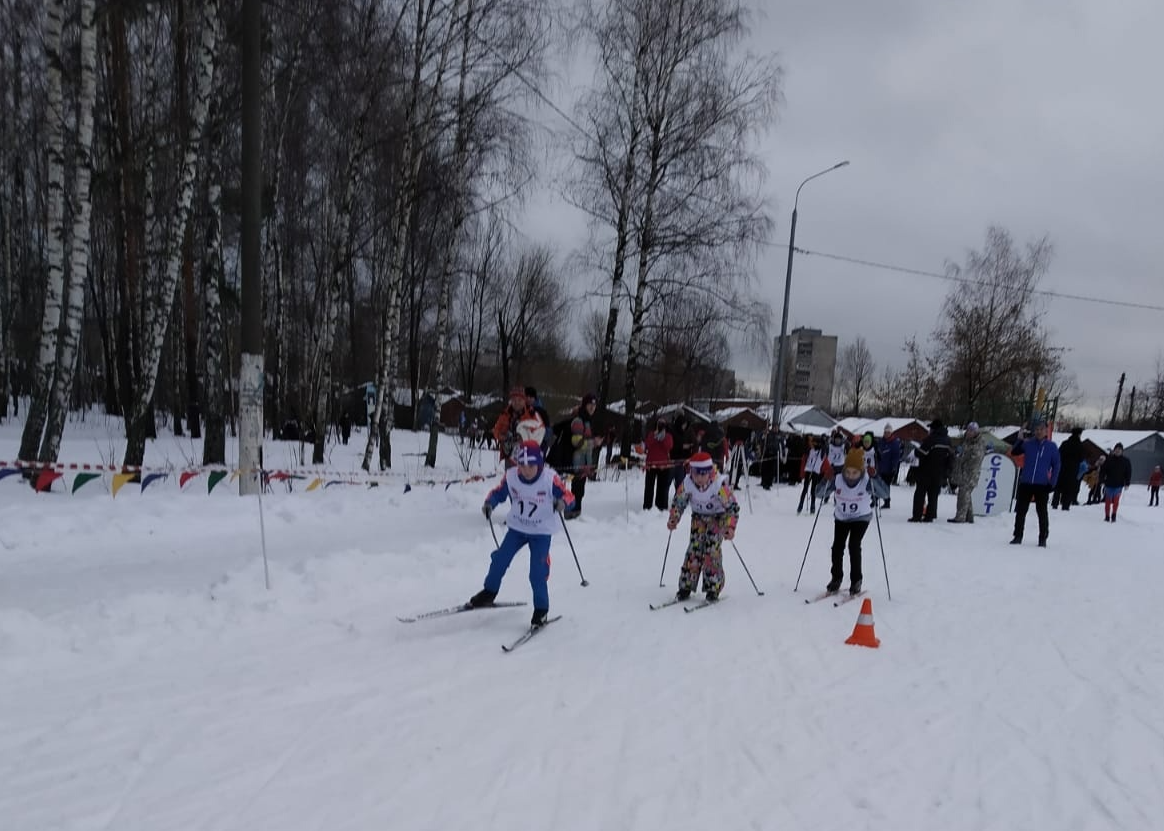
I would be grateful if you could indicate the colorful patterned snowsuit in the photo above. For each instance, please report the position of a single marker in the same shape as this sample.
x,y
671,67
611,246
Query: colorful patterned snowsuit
x,y
713,511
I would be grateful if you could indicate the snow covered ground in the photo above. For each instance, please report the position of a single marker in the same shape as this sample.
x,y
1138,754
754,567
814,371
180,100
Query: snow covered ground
x,y
149,681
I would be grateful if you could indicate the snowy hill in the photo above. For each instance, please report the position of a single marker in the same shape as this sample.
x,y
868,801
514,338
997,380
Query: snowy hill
x,y
151,682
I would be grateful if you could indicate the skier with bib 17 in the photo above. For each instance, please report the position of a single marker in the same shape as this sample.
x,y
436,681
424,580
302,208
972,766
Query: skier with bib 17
x,y
538,499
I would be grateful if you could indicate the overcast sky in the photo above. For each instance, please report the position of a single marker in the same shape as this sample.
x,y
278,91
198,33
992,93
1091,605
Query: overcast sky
x,y
1045,117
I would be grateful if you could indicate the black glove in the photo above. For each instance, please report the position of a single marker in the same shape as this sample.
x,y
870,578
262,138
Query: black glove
x,y
560,505
487,509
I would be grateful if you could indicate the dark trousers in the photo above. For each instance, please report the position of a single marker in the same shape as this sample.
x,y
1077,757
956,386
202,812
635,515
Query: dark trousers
x,y
1154,496
1066,493
578,488
1022,504
925,497
657,488
853,533
811,480
767,472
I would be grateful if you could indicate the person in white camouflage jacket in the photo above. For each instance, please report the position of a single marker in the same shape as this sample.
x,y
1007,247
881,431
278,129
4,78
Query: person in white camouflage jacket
x,y
967,468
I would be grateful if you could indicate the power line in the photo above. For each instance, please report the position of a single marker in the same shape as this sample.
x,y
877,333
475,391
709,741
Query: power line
x,y
855,260
955,279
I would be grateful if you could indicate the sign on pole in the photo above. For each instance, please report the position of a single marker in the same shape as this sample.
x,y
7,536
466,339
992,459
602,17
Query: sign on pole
x,y
995,485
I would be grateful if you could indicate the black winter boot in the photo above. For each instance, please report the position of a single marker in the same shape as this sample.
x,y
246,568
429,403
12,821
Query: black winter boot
x,y
539,617
482,598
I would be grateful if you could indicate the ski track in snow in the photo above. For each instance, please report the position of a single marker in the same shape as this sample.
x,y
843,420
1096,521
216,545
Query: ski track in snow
x,y
158,686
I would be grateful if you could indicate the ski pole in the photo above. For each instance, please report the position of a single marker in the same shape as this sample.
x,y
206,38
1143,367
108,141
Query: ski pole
x,y
496,544
745,565
877,516
805,560
665,551
585,582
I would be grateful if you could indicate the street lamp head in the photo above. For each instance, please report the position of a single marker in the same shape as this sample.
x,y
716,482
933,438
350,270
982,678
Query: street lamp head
x,y
796,201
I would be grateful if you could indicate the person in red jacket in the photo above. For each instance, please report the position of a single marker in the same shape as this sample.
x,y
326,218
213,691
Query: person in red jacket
x,y
1154,482
517,423
658,464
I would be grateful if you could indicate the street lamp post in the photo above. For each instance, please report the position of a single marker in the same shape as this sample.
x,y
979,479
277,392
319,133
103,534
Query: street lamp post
x,y
778,389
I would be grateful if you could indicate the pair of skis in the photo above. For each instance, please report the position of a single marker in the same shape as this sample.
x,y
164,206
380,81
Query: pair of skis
x,y
674,601
840,599
466,607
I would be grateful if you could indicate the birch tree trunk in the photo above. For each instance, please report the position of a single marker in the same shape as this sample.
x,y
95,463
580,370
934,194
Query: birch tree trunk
x,y
214,332
323,359
158,313
635,342
445,286
128,324
79,260
275,255
5,297
5,274
7,209
55,252
189,308
625,200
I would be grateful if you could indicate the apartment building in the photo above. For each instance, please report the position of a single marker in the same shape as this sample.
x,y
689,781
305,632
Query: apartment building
x,y
811,367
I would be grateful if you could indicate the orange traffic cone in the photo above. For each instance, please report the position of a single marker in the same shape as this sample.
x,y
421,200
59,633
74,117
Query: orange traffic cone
x,y
863,634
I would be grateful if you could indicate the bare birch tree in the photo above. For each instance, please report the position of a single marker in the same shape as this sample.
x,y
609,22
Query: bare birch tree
x,y
214,328
70,335
856,376
990,333
919,382
686,105
429,48
158,312
473,322
499,41
43,372
363,84
528,308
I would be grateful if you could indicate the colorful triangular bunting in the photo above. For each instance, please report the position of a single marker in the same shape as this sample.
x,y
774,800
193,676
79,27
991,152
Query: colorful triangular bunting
x,y
83,479
44,481
121,479
145,483
214,478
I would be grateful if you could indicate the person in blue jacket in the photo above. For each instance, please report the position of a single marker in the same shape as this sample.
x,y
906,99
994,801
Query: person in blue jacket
x,y
1037,479
888,461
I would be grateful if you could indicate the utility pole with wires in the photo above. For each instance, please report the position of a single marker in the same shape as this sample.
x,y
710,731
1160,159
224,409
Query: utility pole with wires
x,y
1116,407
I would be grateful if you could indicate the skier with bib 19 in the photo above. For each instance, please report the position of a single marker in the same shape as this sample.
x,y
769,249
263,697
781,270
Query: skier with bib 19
x,y
853,491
